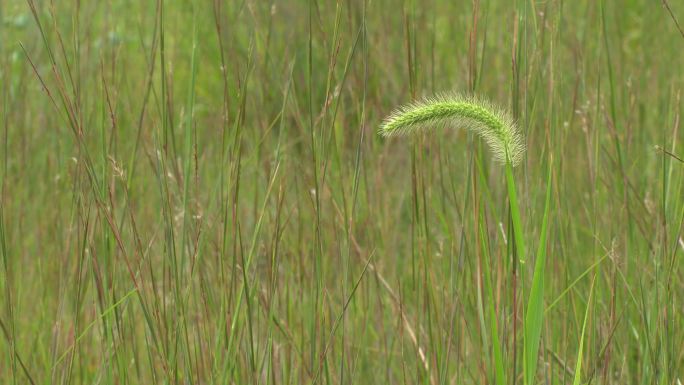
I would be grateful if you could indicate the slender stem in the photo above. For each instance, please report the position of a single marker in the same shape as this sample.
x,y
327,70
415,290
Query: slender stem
x,y
498,359
515,214
519,242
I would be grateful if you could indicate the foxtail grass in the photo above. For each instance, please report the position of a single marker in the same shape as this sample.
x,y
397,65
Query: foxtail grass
x,y
495,125
499,131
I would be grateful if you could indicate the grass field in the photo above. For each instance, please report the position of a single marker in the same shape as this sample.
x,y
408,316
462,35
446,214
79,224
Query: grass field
x,y
195,192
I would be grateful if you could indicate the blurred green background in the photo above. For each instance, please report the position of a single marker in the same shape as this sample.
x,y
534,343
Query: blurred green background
x,y
195,191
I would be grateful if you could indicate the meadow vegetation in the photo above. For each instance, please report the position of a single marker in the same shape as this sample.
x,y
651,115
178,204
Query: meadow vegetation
x,y
196,192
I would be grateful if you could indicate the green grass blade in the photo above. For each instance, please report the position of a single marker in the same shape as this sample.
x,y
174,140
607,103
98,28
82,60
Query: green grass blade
x,y
518,237
515,214
499,364
535,306
578,366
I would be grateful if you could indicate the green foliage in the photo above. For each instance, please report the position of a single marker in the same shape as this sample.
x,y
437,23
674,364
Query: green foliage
x,y
501,134
534,312
194,192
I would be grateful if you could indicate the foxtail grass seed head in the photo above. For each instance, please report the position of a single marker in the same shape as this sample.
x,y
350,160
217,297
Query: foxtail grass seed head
x,y
492,123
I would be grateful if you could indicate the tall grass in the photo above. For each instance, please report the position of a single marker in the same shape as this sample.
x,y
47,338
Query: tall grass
x,y
500,132
194,192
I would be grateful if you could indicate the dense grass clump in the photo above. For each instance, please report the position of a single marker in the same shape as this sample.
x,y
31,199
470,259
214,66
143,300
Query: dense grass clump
x,y
194,192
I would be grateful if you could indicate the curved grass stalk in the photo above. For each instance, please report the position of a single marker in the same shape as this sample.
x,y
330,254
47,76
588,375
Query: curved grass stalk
x,y
493,124
498,129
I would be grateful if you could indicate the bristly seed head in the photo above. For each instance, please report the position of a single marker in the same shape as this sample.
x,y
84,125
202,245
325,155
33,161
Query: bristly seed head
x,y
493,124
